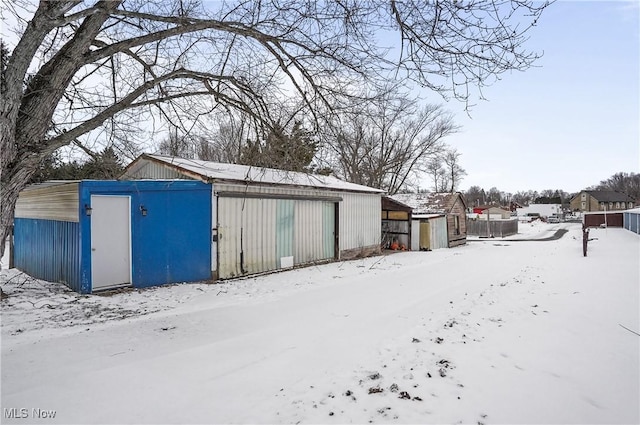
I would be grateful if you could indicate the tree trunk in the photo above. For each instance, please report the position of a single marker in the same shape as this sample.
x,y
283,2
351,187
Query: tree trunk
x,y
9,191
25,116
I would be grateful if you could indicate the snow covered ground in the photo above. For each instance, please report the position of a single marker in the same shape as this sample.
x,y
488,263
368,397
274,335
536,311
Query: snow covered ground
x,y
536,229
491,332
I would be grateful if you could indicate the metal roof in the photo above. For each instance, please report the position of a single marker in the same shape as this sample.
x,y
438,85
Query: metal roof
x,y
49,183
209,171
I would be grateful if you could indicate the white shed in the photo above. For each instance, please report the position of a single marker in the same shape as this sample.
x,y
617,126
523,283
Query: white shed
x,y
266,219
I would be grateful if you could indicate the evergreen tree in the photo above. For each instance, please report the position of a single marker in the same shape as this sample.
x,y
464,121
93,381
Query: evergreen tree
x,y
292,151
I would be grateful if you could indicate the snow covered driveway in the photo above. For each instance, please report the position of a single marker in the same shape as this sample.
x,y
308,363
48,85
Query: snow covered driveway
x,y
492,332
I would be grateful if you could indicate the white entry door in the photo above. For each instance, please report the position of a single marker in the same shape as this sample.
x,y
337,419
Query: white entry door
x,y
110,241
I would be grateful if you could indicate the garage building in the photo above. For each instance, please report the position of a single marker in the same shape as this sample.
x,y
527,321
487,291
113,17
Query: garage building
x,y
265,219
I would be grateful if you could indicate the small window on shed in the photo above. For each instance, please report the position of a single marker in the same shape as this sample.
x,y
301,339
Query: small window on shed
x,y
456,224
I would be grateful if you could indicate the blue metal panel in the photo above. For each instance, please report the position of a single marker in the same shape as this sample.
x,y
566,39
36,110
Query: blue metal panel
x,y
625,220
171,229
632,221
172,242
49,250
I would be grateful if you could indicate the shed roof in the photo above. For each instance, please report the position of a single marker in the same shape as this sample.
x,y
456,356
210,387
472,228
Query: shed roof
x,y
427,216
49,183
428,203
388,203
209,171
494,210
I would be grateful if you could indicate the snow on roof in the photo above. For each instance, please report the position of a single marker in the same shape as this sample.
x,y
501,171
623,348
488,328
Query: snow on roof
x,y
425,203
434,215
208,170
544,210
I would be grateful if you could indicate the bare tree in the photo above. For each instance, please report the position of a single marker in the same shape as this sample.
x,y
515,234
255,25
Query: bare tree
x,y
628,183
222,136
108,72
438,174
475,196
387,142
177,145
455,173
495,196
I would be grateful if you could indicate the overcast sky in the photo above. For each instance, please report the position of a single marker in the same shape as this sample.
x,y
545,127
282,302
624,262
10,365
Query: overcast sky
x,y
569,123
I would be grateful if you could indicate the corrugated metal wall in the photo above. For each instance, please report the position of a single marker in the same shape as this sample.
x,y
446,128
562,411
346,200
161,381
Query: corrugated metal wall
x,y
314,231
48,250
246,236
47,234
254,234
171,240
415,235
52,202
632,221
439,237
612,219
284,229
437,233
267,229
359,214
152,170
360,220
329,229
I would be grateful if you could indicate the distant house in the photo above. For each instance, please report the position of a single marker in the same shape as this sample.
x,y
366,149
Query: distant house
x,y
479,208
495,213
438,219
601,200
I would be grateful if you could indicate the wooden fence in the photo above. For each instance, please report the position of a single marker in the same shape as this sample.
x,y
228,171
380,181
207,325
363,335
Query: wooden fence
x,y
489,228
